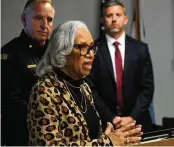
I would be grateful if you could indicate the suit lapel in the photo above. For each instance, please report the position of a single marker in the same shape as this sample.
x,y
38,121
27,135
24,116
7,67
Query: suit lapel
x,y
107,57
128,55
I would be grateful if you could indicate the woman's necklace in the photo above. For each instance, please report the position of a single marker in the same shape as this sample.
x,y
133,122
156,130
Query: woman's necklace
x,y
82,103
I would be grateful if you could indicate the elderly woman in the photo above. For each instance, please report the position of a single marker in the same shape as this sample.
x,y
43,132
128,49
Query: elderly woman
x,y
61,109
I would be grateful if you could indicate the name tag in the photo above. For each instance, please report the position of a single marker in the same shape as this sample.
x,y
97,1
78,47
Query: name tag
x,y
31,66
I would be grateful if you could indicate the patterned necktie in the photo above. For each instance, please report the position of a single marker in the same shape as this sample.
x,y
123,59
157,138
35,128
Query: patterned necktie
x,y
119,74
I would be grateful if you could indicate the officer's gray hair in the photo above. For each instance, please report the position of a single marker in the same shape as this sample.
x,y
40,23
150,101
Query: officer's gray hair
x,y
61,44
30,3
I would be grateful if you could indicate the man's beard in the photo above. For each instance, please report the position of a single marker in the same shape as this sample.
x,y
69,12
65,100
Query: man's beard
x,y
115,30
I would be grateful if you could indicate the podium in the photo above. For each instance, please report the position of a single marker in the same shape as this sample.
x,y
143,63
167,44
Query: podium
x,y
158,142
158,138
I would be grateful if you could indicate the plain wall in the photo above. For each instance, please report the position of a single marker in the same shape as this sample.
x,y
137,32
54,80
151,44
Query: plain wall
x,y
158,19
159,35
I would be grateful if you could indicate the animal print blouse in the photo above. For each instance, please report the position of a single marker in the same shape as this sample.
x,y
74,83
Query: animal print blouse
x,y
54,118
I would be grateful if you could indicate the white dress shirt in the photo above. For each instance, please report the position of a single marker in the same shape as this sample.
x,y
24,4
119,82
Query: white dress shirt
x,y
112,49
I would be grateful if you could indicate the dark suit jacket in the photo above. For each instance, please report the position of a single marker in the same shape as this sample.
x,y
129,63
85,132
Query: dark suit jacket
x,y
138,83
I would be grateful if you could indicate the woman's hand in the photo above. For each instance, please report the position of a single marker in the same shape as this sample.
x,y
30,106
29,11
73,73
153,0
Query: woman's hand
x,y
126,135
109,128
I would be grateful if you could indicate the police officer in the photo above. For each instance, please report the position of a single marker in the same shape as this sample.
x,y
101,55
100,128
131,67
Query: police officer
x,y
19,58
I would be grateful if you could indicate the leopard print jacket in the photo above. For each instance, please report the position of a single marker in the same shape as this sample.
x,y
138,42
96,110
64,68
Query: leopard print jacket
x,y
54,118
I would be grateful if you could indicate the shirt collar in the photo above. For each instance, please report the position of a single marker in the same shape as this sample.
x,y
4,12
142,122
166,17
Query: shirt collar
x,y
111,40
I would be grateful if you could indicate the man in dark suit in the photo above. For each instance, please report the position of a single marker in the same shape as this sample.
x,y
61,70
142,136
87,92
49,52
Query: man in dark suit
x,y
122,76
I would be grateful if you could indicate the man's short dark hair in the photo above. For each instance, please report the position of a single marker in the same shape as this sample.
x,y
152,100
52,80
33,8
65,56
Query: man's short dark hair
x,y
110,3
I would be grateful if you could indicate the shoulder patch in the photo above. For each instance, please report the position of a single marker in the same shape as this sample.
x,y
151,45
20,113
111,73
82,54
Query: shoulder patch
x,y
3,56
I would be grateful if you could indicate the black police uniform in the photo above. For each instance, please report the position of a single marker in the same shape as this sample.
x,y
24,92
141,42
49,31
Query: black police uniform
x,y
18,64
